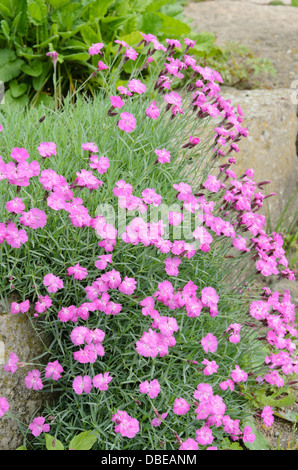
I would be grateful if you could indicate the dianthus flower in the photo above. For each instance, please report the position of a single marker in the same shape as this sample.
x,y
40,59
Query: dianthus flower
x,y
209,343
53,370
101,381
163,156
78,272
152,111
4,406
82,384
127,122
35,218
238,375
22,307
189,444
95,48
172,266
181,407
46,149
14,237
12,364
33,380
211,367
38,426
128,285
15,205
136,86
152,388
125,424
19,154
204,436
267,415
53,283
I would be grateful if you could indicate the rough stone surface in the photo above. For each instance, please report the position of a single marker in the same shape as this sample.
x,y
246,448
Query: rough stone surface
x,y
269,31
18,336
270,148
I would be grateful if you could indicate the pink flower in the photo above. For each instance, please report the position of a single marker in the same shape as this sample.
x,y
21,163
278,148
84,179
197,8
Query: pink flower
x,y
12,364
175,218
33,380
125,424
172,266
213,184
116,102
78,272
227,384
267,415
87,179
101,381
152,388
35,218
46,149
124,91
82,384
15,205
103,261
157,421
239,375
101,164
189,444
204,436
131,53
163,156
53,283
43,303
53,370
211,367
209,343
152,111
128,285
38,426
90,146
101,65
181,407
19,154
95,48
67,314
22,307
136,86
14,237
127,122
4,406
248,435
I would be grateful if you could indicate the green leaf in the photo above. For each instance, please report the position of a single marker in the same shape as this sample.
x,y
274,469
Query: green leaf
x,y
6,55
132,39
294,3
10,101
38,82
34,69
171,27
52,443
5,28
59,3
21,448
89,35
5,12
81,56
260,442
290,416
36,11
150,23
228,445
10,70
16,89
273,400
99,8
83,441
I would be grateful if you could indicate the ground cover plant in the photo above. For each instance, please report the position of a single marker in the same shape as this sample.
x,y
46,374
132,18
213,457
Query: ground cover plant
x,y
134,248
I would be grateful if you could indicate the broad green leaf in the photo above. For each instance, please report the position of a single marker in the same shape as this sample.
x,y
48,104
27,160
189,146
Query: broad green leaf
x,y
89,35
99,8
294,3
47,41
83,441
260,442
10,70
10,101
59,3
273,400
4,11
6,55
81,56
156,5
36,11
52,443
132,39
150,23
17,89
171,27
21,448
34,69
290,416
228,445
